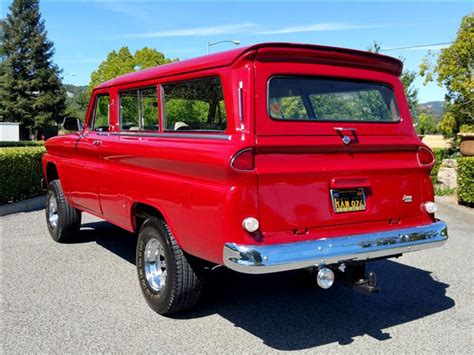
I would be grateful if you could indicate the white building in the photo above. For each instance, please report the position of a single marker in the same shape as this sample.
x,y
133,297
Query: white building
x,y
9,131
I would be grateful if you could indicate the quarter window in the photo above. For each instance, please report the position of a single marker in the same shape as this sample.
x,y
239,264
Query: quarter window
x,y
101,114
195,105
139,109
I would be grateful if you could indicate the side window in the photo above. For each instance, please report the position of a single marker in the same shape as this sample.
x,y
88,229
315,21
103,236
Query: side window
x,y
100,119
195,105
139,109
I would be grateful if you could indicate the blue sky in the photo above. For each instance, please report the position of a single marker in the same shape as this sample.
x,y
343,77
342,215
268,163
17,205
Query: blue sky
x,y
85,31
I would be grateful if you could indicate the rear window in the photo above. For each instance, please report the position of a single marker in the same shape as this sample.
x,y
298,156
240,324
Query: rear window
x,y
326,99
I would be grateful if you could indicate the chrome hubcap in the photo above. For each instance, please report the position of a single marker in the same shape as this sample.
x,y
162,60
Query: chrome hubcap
x,y
155,264
52,211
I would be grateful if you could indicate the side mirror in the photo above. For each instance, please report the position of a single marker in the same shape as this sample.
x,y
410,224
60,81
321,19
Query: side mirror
x,y
71,124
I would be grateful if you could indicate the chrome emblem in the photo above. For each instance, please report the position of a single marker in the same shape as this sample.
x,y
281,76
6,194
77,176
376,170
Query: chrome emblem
x,y
346,139
407,198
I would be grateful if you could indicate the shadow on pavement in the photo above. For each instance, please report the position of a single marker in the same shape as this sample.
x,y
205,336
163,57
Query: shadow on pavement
x,y
288,313
114,239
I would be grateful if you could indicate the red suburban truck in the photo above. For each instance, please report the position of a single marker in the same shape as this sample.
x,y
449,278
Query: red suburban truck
x,y
263,159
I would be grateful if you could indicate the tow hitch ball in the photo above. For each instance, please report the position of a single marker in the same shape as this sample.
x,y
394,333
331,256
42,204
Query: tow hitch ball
x,y
350,275
367,286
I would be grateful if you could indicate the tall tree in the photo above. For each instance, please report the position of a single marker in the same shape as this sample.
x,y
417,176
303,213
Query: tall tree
x,y
32,93
408,78
123,61
454,70
2,73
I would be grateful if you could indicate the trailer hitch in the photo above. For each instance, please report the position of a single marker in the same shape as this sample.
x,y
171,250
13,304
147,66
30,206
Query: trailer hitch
x,y
353,276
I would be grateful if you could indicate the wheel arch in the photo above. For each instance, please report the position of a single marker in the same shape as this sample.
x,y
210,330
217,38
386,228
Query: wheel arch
x,y
141,211
51,172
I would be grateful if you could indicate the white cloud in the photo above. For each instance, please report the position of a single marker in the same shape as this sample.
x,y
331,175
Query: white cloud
x,y
317,27
198,31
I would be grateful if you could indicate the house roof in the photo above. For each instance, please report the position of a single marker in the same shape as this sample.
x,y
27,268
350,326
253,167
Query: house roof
x,y
268,52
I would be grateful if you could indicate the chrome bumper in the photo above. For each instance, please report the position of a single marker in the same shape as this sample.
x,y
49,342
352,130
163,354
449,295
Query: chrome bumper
x,y
262,259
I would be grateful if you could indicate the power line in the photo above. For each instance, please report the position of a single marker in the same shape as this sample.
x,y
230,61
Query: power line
x,y
418,46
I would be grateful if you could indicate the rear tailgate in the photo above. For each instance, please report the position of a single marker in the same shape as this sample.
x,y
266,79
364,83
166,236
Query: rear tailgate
x,y
296,176
305,163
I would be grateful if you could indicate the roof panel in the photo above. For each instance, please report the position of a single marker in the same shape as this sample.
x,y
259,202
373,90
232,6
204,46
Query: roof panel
x,y
267,51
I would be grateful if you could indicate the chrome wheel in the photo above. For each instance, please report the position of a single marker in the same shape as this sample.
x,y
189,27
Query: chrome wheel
x,y
155,264
52,210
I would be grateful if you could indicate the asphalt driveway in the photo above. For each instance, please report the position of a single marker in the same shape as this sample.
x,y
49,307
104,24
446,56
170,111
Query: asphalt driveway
x,y
85,297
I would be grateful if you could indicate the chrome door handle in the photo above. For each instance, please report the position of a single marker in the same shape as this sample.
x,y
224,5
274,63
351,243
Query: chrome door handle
x,y
342,129
97,142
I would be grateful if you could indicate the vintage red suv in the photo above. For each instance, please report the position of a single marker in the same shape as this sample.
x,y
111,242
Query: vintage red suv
x,y
263,159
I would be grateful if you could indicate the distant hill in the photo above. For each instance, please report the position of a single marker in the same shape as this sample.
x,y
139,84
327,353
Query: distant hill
x,y
76,101
74,90
435,108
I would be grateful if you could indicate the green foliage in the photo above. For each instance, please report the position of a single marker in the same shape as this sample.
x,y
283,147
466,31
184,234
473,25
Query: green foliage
x,y
357,106
408,78
20,173
102,112
292,107
426,124
466,180
466,128
77,104
149,57
443,191
411,92
31,89
123,62
198,103
4,144
454,70
447,126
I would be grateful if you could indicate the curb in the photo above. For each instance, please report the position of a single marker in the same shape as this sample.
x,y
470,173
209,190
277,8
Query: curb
x,y
32,204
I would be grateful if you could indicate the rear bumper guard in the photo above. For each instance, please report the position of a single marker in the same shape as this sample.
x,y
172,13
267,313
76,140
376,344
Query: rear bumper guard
x,y
262,259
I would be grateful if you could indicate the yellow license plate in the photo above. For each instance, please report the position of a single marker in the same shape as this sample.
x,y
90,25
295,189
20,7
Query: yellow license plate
x,y
348,200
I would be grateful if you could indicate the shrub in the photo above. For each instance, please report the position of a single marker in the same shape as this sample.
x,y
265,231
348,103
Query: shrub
x,y
466,181
443,191
20,173
22,144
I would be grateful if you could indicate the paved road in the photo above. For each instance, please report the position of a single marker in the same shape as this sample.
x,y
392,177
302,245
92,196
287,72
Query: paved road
x,y
85,297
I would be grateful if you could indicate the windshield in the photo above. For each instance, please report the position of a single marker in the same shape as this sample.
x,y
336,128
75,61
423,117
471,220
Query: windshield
x,y
326,99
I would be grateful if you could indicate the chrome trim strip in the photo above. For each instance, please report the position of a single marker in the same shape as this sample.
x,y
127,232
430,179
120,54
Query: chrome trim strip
x,y
241,101
231,164
224,137
262,259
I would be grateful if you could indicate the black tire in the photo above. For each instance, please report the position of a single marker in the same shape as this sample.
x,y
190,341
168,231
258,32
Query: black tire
x,y
182,281
62,219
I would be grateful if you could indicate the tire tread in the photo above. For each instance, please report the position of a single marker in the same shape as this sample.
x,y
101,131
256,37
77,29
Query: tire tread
x,y
187,284
69,220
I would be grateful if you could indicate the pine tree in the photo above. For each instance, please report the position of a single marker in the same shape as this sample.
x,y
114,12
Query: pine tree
x,y
31,90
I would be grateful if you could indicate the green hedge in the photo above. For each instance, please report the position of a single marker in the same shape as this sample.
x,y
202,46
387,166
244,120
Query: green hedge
x,y
20,173
22,144
466,181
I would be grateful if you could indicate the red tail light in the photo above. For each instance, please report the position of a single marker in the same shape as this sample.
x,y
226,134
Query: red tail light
x,y
243,160
426,157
